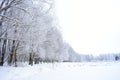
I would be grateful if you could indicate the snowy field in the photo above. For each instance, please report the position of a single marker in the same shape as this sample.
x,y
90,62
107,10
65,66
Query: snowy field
x,y
63,71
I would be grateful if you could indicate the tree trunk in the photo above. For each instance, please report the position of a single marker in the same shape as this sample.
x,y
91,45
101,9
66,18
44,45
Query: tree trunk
x,y
15,57
0,50
3,53
10,59
12,53
30,59
15,54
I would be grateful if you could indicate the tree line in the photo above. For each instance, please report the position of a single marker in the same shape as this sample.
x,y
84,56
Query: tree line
x,y
29,32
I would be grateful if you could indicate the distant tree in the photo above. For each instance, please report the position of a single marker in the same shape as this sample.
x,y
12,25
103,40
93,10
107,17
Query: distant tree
x,y
117,58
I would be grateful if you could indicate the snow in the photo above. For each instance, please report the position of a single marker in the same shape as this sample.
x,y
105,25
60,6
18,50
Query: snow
x,y
63,71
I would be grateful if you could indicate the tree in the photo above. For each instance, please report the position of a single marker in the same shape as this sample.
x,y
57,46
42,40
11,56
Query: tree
x,y
117,58
5,6
29,28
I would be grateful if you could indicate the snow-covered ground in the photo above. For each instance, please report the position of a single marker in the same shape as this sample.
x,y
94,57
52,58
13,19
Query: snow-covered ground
x,y
63,71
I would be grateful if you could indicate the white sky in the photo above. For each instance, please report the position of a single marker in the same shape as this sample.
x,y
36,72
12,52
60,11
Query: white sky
x,y
90,26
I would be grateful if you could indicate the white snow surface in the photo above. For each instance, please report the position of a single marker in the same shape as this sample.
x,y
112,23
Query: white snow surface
x,y
63,71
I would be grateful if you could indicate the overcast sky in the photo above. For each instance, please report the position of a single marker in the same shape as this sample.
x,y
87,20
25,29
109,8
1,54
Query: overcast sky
x,y
90,26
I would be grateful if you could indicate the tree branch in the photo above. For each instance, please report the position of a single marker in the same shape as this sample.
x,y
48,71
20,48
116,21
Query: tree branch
x,y
5,38
10,18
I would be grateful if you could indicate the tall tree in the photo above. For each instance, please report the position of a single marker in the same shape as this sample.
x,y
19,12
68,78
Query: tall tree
x,y
5,6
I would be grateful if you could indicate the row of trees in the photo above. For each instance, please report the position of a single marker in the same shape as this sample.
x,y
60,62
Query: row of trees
x,y
102,57
8,45
29,32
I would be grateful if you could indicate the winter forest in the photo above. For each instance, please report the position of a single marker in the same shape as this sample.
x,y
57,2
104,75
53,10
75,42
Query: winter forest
x,y
30,34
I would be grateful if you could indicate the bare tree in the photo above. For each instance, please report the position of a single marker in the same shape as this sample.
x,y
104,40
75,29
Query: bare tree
x,y
5,6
